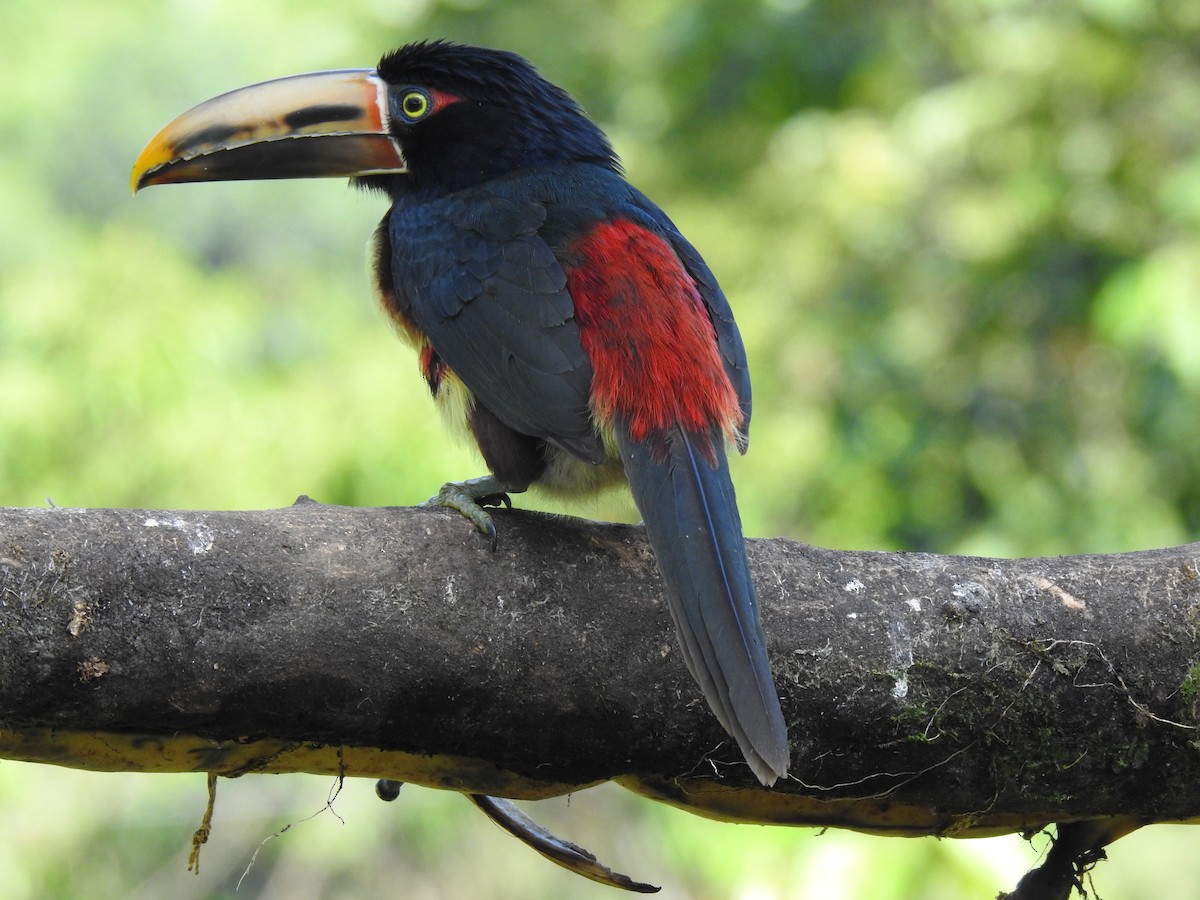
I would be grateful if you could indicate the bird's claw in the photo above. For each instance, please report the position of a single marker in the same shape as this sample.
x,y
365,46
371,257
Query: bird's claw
x,y
471,498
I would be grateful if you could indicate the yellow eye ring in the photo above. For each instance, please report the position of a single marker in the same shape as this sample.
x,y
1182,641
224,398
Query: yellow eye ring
x,y
415,105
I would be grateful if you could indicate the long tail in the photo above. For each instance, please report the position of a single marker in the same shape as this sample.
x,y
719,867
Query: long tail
x,y
681,485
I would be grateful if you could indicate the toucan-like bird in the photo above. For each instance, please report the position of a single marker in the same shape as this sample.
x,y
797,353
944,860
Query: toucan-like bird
x,y
557,313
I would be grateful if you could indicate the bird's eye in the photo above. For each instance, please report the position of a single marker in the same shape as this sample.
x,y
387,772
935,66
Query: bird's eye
x,y
414,105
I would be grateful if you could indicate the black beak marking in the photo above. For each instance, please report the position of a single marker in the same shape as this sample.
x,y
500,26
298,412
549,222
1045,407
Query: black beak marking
x,y
320,114
215,134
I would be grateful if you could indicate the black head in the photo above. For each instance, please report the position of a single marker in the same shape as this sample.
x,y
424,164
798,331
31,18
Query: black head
x,y
464,115
433,117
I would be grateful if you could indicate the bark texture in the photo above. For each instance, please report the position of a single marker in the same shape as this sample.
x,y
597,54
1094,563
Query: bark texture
x,y
924,694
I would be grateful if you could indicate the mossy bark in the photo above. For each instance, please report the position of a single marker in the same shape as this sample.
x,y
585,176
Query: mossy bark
x,y
925,694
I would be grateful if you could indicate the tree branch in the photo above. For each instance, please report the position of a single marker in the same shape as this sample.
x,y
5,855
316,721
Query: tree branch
x,y
925,694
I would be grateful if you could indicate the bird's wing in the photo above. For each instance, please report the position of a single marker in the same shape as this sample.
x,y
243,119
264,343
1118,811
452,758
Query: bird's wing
x,y
491,297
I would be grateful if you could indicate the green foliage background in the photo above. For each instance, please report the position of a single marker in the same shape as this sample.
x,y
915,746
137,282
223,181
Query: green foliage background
x,y
961,239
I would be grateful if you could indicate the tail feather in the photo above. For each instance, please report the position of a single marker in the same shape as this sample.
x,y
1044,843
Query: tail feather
x,y
681,485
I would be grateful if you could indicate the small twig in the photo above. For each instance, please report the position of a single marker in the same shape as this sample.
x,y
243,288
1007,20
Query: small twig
x,y
200,836
334,791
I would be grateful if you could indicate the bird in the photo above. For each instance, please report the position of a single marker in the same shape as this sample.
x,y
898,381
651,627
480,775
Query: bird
x,y
558,315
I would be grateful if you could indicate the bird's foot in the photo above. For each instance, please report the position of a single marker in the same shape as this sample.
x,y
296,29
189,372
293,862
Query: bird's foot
x,y
470,498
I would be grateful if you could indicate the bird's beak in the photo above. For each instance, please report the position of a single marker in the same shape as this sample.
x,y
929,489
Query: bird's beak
x,y
304,126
